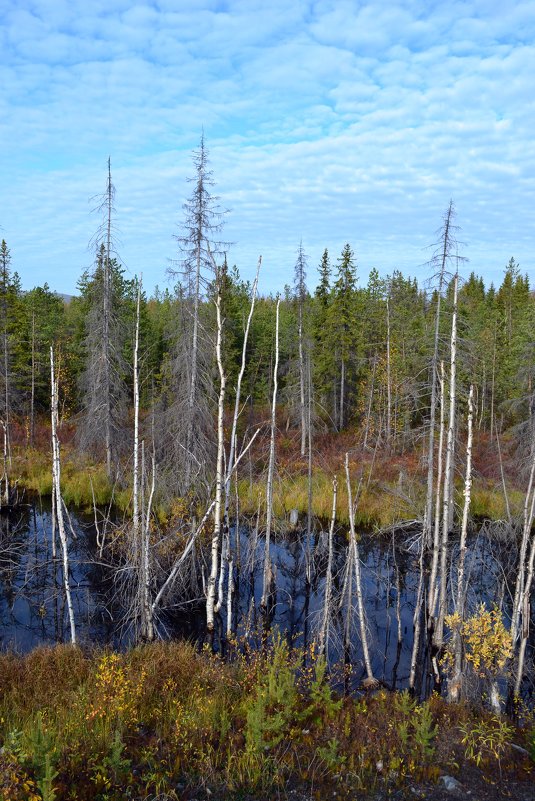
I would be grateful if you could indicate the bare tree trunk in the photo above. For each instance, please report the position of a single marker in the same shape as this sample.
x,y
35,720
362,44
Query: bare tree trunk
x,y
448,499
147,619
358,579
454,685
528,514
309,479
504,485
266,582
106,332
433,584
135,489
302,403
232,453
32,388
417,618
56,483
219,486
181,559
194,363
370,403
444,255
388,377
5,475
493,382
327,600
526,615
230,589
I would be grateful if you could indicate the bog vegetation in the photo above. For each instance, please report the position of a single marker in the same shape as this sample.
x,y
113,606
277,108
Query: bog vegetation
x,y
206,410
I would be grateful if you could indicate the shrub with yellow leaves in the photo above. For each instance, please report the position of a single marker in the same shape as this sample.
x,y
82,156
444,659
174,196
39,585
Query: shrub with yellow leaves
x,y
487,643
116,694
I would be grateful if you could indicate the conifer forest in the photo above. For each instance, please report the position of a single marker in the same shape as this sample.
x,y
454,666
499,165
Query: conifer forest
x,y
266,544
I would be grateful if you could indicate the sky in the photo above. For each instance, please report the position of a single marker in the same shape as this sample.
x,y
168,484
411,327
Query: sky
x,y
326,122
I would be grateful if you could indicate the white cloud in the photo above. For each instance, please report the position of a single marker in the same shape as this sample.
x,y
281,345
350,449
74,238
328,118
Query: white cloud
x,y
333,121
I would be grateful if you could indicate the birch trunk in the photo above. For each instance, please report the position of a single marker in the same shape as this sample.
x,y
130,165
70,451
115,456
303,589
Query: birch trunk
x,y
266,581
147,621
216,536
528,514
327,600
454,686
526,616
232,452
135,490
433,585
358,579
448,477
388,379
56,483
32,388
302,403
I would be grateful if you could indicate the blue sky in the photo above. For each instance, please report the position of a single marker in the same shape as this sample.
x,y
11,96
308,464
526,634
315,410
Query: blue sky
x,y
329,121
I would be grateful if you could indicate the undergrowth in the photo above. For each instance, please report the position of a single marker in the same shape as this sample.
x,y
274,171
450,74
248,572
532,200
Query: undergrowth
x,y
163,718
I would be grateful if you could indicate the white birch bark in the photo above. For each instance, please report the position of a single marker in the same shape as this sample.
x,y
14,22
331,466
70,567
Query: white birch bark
x,y
302,404
135,490
388,376
266,580
433,584
233,438
448,477
219,484
327,599
454,685
56,483
358,579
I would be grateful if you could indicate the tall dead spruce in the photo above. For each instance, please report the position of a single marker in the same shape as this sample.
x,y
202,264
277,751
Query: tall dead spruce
x,y
102,383
186,421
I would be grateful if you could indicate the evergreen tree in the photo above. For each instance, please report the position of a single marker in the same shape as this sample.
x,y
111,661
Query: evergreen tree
x,y
324,364
9,342
43,314
344,331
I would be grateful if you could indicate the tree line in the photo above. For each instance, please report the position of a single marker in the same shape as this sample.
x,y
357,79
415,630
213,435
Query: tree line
x,y
171,391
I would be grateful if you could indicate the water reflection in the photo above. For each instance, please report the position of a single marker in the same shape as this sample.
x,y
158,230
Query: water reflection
x,y
33,612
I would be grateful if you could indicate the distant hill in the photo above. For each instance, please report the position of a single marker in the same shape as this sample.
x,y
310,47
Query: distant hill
x,y
64,297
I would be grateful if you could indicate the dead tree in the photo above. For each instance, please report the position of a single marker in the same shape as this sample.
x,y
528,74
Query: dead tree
x,y
102,383
211,607
355,564
56,489
454,684
445,250
300,296
267,577
7,292
237,401
323,639
188,417
448,500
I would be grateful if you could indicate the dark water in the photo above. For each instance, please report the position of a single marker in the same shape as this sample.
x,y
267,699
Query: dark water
x,y
33,612
32,603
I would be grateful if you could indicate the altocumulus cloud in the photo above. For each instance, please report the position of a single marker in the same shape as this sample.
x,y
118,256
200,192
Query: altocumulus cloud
x,y
327,121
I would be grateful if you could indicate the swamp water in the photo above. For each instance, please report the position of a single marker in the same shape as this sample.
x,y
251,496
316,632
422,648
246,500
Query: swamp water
x,y
33,610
